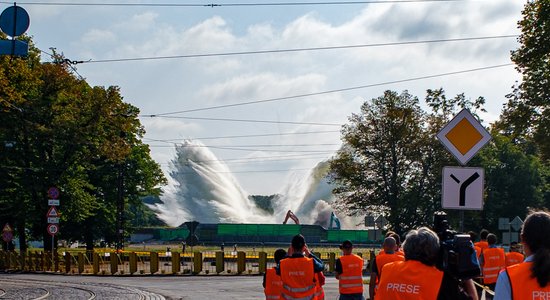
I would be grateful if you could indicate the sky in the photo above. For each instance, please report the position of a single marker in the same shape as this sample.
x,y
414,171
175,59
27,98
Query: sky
x,y
274,115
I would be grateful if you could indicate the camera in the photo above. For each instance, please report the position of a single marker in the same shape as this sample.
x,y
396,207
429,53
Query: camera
x,y
457,255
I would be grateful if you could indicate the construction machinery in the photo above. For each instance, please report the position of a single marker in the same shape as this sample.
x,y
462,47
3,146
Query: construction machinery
x,y
291,215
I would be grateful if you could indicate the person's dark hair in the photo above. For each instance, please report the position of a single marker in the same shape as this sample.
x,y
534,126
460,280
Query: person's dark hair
x,y
422,245
483,234
491,239
473,236
278,255
536,234
298,242
397,238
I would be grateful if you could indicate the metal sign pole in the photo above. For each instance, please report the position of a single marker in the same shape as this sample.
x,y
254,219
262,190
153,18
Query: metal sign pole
x,y
52,251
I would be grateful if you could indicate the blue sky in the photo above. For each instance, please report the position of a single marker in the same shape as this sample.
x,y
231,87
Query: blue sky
x,y
169,85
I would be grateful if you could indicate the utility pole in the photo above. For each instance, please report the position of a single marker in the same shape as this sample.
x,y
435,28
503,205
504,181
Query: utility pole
x,y
120,208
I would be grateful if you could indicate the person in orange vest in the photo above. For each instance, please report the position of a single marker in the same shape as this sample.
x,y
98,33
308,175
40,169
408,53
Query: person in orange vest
x,y
397,238
483,244
514,256
417,277
298,270
349,272
320,281
473,237
272,282
389,255
492,261
531,278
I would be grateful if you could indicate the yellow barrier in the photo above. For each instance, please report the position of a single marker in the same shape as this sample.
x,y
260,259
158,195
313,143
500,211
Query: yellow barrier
x,y
220,264
175,262
262,262
197,262
125,262
154,262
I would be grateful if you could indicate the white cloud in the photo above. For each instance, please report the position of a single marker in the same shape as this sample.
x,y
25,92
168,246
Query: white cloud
x,y
157,86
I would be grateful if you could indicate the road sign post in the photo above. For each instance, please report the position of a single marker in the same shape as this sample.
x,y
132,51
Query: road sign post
x,y
462,188
53,215
464,136
14,21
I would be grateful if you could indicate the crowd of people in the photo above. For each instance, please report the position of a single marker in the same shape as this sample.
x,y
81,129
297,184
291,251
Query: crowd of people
x,y
411,270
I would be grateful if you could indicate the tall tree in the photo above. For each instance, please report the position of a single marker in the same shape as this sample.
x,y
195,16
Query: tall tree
x,y
527,111
84,140
513,178
391,162
381,160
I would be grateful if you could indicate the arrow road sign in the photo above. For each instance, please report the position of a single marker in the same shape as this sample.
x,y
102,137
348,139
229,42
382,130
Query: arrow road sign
x,y
463,188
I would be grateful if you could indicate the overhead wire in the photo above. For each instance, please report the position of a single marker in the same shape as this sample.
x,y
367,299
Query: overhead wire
x,y
328,91
212,5
297,49
250,121
244,136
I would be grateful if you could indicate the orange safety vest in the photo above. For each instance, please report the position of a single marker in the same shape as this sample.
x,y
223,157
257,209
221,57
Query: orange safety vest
x,y
409,280
513,258
273,284
319,291
523,285
351,279
385,258
493,261
478,251
298,278
482,244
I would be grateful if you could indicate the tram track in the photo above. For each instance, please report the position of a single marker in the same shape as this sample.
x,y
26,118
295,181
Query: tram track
x,y
34,289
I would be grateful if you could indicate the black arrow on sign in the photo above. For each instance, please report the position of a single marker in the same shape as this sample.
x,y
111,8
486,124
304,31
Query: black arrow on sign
x,y
464,186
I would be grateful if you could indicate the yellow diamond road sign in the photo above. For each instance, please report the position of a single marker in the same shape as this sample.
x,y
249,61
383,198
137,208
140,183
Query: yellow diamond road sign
x,y
464,136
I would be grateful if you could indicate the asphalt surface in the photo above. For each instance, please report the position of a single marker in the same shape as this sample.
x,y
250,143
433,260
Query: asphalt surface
x,y
55,286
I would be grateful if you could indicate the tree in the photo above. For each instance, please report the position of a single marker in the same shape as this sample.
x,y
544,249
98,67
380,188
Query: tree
x,y
391,161
381,161
59,131
513,180
527,111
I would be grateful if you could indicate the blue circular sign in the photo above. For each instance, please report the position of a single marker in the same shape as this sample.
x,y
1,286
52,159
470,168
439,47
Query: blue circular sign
x,y
53,193
14,21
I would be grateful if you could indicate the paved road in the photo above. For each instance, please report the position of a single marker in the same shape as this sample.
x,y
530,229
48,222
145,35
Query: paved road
x,y
34,286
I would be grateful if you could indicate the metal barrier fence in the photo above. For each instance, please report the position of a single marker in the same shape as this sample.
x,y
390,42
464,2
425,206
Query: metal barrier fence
x,y
142,263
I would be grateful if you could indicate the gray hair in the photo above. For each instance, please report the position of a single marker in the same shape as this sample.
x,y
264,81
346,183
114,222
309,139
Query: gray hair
x,y
422,245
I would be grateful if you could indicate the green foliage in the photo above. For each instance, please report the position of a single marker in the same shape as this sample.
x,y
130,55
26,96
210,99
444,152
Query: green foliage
x,y
527,110
514,181
59,131
391,163
381,167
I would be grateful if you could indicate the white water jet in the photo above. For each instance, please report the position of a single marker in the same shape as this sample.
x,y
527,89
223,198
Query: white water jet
x,y
202,188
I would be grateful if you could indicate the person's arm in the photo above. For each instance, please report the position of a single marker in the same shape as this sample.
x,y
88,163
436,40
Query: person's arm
x,y
263,283
318,264
372,284
470,288
338,268
503,290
